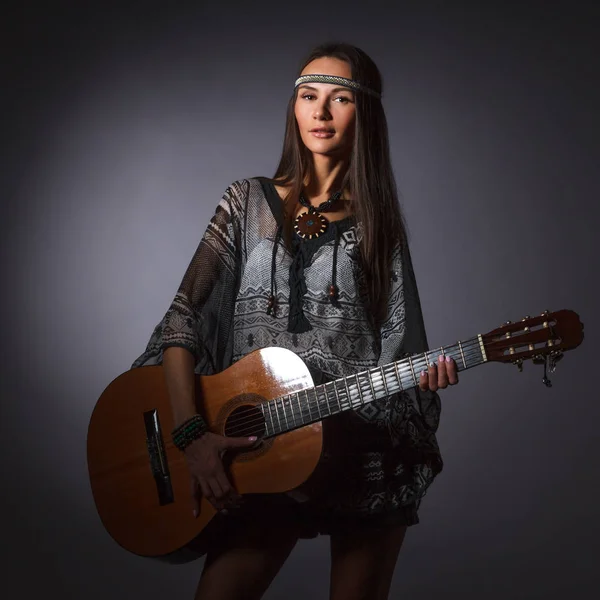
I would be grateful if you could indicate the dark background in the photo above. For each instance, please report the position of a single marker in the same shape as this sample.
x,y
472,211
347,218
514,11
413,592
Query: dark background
x,y
124,125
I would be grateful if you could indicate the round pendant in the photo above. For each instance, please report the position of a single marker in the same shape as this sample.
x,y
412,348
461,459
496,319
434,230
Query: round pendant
x,y
310,224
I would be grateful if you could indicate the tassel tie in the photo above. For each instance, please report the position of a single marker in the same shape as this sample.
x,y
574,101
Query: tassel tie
x,y
272,303
333,289
297,321
303,252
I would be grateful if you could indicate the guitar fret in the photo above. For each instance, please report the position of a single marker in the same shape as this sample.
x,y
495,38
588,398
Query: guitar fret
x,y
324,404
311,402
412,370
317,404
277,414
325,396
385,387
299,407
337,392
398,374
427,361
369,377
326,399
287,425
304,408
268,410
362,401
337,398
348,397
462,354
292,412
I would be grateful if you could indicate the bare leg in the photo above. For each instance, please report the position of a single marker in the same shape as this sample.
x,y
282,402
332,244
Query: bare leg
x,y
363,563
243,567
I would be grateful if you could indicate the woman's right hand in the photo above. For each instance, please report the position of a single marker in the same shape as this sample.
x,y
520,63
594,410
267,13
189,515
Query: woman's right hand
x,y
205,460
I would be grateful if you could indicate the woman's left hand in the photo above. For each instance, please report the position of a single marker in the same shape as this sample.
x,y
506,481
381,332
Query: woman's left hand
x,y
439,375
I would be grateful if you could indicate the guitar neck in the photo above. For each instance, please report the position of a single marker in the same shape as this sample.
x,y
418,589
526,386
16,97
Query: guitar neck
x,y
347,393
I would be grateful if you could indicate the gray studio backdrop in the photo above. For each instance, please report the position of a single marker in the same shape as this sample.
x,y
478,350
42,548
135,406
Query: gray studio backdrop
x,y
129,125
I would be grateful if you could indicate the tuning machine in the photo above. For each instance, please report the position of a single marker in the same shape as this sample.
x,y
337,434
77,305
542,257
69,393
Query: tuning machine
x,y
549,361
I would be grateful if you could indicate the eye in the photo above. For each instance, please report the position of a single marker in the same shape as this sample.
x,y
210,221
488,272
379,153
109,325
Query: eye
x,y
343,99
307,96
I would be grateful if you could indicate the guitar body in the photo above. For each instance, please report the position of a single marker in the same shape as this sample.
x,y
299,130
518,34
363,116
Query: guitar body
x,y
140,481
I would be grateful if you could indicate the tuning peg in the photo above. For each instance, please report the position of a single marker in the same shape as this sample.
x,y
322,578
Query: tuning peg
x,y
525,318
555,357
508,322
519,364
545,313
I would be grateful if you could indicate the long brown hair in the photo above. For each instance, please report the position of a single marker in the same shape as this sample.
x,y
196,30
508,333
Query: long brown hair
x,y
369,178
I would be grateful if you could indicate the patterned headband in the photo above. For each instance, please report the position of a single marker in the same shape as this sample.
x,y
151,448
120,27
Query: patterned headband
x,y
349,83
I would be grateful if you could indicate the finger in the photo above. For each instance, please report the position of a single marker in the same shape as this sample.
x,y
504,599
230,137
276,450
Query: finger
x,y
215,487
452,370
194,493
433,378
424,381
229,493
236,442
442,376
207,492
210,492
196,496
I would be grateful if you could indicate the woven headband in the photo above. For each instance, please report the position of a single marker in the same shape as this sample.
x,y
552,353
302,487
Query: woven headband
x,y
342,81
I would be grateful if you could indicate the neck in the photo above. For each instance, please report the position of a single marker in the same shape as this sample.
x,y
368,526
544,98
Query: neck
x,y
325,176
310,405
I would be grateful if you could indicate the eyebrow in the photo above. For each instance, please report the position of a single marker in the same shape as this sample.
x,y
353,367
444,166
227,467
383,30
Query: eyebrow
x,y
336,89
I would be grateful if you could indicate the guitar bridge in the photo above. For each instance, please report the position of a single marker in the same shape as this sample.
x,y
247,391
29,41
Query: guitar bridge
x,y
158,458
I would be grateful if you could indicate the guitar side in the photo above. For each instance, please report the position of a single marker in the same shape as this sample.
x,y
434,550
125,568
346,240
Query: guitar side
x,y
140,481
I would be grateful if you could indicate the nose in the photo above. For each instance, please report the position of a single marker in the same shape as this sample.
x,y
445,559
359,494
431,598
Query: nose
x,y
321,112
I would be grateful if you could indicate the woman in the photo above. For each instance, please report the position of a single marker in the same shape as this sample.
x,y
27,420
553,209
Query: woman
x,y
336,286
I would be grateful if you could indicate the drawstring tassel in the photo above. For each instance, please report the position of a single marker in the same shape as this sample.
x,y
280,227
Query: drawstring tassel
x,y
333,288
272,302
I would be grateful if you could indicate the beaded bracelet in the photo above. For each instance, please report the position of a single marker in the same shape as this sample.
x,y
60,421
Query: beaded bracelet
x,y
189,431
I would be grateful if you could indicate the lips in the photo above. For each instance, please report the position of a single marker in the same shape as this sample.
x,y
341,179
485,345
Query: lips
x,y
322,130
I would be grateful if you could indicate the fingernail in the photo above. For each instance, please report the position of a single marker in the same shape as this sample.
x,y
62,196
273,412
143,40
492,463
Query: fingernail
x,y
441,358
252,438
423,373
195,513
448,359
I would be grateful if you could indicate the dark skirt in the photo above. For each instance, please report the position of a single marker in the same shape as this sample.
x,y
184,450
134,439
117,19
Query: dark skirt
x,y
307,519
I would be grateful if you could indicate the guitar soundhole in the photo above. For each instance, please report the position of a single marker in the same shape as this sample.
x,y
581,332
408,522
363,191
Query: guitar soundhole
x,y
244,421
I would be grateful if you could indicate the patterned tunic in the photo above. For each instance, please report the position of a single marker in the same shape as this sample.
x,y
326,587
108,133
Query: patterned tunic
x,y
377,458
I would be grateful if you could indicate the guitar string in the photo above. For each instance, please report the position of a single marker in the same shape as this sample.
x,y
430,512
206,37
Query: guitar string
x,y
248,419
291,412
239,426
238,418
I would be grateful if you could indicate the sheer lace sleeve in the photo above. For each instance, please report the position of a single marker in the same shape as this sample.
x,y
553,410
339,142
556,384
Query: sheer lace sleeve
x,y
403,333
200,317
413,415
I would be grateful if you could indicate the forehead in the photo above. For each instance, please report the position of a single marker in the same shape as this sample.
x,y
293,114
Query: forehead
x,y
328,66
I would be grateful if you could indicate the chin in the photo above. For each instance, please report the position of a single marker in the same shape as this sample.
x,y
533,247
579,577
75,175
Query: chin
x,y
325,147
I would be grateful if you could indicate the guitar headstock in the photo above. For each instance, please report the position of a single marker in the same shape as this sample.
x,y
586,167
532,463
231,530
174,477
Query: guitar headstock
x,y
542,339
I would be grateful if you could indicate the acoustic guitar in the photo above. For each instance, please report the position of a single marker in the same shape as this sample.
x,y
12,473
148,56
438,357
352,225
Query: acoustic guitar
x,y
140,481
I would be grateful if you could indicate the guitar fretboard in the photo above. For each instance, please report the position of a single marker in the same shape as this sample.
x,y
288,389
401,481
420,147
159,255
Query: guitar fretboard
x,y
311,405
